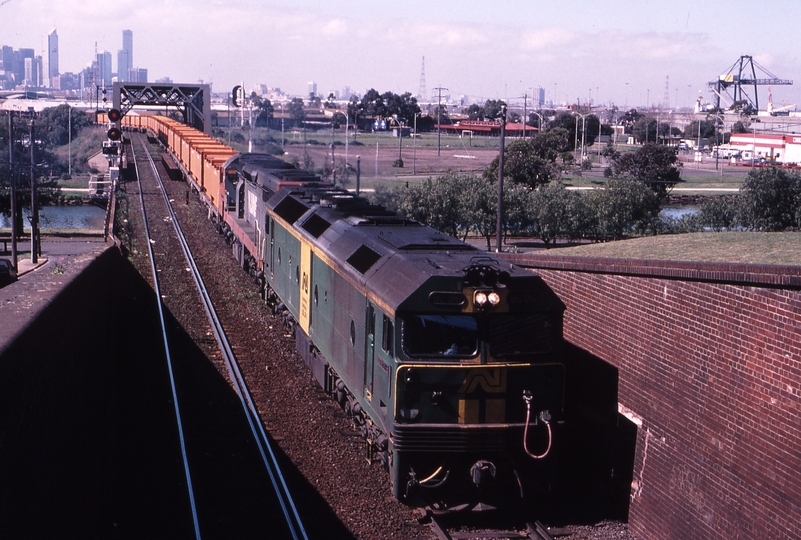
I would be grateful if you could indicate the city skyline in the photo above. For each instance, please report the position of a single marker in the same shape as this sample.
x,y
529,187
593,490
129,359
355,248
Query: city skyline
x,y
628,53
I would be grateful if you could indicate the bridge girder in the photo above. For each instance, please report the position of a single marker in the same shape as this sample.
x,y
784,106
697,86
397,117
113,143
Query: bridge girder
x,y
192,100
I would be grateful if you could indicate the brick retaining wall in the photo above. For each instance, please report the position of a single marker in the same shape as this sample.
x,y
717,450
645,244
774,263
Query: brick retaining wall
x,y
710,368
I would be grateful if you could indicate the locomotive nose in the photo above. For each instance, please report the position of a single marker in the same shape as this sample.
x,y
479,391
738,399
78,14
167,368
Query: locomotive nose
x,y
482,472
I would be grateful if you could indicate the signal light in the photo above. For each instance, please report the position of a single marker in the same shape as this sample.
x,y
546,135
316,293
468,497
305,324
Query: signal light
x,y
236,94
115,134
114,115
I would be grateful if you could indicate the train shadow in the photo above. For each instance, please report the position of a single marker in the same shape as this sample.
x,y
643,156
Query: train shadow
x,y
597,454
88,439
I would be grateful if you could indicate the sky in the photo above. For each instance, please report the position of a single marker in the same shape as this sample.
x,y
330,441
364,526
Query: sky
x,y
626,52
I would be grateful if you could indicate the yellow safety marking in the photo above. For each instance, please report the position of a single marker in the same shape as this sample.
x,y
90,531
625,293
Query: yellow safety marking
x,y
496,411
492,380
468,411
305,286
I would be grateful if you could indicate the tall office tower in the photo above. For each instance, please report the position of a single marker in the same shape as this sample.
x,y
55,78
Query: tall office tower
x,y
19,64
51,70
103,69
127,45
540,96
123,71
125,56
7,59
312,88
32,68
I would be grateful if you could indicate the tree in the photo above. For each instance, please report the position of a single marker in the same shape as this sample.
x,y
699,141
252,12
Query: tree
x,y
264,107
338,120
433,202
655,165
297,111
550,211
492,108
314,100
708,129
329,102
54,125
739,127
531,162
474,112
771,199
624,206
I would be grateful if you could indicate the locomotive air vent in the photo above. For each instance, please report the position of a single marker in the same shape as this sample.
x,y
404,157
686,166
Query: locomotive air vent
x,y
290,209
363,259
315,225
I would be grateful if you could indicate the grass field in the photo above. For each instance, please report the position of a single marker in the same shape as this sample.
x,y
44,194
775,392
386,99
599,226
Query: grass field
x,y
783,248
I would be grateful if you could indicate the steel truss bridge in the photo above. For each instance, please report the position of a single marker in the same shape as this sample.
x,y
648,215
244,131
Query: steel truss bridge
x,y
191,101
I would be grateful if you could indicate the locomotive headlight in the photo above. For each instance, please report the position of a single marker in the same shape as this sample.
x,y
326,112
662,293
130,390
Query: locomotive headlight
x,y
481,298
493,298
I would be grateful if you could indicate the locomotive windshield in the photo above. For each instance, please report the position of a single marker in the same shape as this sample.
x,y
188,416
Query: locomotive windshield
x,y
440,335
459,336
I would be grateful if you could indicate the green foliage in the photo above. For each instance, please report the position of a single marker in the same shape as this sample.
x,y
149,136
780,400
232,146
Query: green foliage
x,y
655,165
771,199
433,202
720,213
551,211
264,109
297,111
386,105
492,109
623,208
708,130
531,162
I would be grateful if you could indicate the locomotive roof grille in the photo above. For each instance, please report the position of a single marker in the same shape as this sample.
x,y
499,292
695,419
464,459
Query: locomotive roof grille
x,y
363,259
290,209
315,225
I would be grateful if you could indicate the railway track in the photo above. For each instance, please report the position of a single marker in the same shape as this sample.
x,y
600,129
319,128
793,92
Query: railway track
x,y
535,531
165,242
342,497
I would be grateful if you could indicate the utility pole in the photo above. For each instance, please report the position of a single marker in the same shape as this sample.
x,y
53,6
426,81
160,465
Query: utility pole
x,y
525,113
13,180
499,219
439,115
34,209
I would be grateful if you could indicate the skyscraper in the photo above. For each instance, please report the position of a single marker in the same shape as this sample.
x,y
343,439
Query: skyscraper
x,y
103,69
51,58
125,56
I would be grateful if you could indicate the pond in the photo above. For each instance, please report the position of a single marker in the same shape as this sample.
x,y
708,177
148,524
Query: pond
x,y
678,211
85,216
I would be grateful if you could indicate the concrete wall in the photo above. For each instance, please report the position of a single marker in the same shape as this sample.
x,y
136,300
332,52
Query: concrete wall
x,y
709,359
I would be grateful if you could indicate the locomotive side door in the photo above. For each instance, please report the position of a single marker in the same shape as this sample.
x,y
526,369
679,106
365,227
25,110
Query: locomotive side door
x,y
271,231
369,354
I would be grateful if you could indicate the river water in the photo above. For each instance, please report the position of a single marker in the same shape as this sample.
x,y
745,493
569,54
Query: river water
x,y
85,216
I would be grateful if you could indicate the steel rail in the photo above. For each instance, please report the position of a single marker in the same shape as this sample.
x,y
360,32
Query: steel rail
x,y
167,352
288,506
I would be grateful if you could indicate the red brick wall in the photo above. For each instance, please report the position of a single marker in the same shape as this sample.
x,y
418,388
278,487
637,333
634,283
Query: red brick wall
x,y
709,359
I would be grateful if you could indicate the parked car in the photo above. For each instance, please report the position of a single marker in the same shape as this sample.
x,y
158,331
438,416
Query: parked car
x,y
7,272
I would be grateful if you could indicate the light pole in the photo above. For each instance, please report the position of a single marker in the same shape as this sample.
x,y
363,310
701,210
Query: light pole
x,y
583,132
499,217
69,140
539,129
439,115
400,137
414,145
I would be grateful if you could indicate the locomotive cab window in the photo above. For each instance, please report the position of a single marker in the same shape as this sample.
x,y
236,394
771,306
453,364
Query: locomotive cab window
x,y
440,335
388,337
